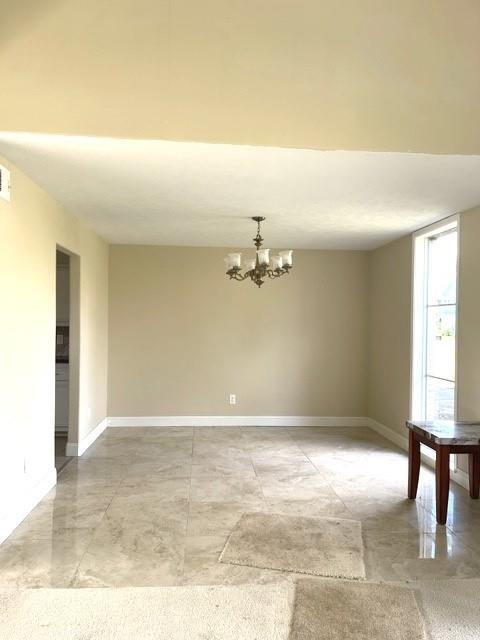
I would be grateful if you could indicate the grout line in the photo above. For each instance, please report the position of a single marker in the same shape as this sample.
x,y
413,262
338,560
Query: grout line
x,y
95,529
182,572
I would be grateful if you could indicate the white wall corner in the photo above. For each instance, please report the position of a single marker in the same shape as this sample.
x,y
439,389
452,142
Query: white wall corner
x,y
457,475
78,448
237,421
27,499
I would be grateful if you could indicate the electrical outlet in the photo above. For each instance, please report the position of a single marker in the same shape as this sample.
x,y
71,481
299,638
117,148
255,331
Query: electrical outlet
x,y
233,398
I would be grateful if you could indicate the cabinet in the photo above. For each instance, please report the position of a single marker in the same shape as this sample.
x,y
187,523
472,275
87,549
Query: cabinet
x,y
61,396
63,293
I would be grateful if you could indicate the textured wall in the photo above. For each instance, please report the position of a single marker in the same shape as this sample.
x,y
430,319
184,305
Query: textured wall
x,y
31,226
182,337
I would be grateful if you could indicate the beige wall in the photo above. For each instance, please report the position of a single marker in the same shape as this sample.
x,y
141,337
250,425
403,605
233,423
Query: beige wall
x,y
378,74
390,329
182,337
468,397
390,272
31,226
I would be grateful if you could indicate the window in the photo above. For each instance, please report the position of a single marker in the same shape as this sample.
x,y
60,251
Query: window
x,y
434,322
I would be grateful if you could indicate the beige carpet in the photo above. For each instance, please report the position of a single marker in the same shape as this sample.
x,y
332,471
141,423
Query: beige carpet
x,y
338,610
318,546
451,608
250,612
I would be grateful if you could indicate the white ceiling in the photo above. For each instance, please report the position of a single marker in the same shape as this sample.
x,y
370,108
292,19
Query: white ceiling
x,y
195,194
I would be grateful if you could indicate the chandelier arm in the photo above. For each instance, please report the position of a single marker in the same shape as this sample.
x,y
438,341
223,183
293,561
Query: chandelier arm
x,y
239,276
277,273
261,270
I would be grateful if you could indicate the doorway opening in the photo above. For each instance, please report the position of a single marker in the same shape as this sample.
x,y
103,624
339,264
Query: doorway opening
x,y
66,355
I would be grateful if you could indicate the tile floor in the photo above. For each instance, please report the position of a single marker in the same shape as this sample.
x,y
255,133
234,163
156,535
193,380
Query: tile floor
x,y
154,506
61,458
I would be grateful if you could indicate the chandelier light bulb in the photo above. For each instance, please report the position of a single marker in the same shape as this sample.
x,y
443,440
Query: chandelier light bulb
x,y
249,265
263,256
276,262
233,260
286,257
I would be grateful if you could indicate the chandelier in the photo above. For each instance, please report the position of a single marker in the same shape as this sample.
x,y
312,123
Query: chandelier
x,y
260,267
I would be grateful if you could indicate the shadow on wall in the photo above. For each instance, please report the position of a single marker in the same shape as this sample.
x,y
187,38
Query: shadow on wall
x,y
21,15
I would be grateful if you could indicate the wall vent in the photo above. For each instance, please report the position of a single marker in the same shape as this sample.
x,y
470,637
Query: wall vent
x,y
4,183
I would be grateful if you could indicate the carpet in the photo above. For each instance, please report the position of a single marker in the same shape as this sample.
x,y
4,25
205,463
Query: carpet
x,y
338,610
450,608
318,546
252,612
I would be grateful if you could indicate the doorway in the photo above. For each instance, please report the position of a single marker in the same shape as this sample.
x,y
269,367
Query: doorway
x,y
66,355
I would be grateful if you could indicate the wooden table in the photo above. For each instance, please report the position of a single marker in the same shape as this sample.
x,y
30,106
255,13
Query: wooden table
x,y
446,437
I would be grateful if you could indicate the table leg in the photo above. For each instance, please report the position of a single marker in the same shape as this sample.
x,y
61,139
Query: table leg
x,y
442,479
413,464
474,474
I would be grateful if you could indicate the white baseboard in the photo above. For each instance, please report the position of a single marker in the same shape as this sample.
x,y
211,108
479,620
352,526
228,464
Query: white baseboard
x,y
78,448
26,501
428,456
236,421
389,434
461,478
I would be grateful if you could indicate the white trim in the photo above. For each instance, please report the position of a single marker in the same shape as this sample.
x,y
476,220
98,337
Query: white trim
x,y
236,421
27,503
428,456
460,477
418,301
78,448
389,434
450,222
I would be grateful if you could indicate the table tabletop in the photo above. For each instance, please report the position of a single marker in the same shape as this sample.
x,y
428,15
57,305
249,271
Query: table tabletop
x,y
447,432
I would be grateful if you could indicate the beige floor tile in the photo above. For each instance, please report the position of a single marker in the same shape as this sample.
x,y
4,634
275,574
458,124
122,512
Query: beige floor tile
x,y
324,506
392,514
168,449
226,489
128,512
128,432
216,518
268,467
155,487
296,487
164,468
398,555
135,555
55,516
152,506
50,562
242,468
169,432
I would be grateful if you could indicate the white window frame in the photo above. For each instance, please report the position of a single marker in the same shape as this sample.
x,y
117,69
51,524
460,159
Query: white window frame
x,y
419,328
